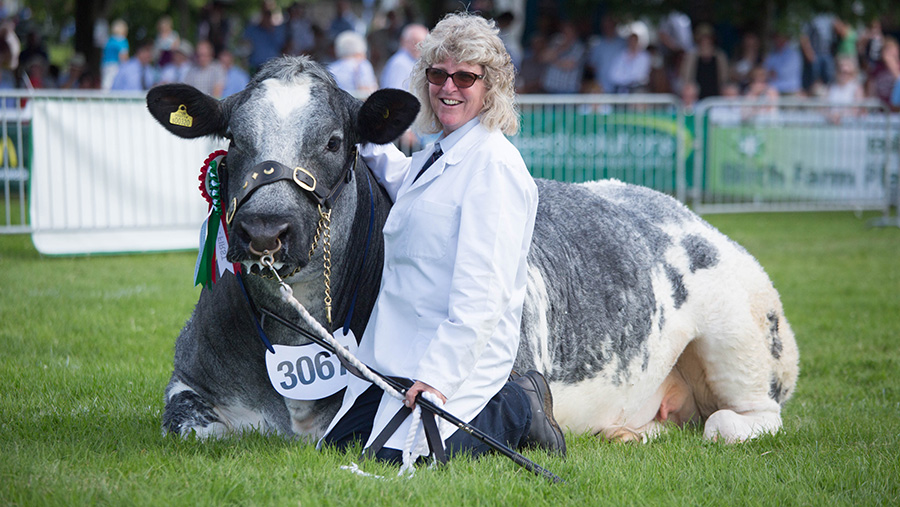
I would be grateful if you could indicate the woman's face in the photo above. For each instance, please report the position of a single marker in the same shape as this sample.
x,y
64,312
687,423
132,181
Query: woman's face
x,y
455,106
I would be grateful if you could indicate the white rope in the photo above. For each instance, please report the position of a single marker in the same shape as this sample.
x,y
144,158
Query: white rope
x,y
354,469
287,295
411,447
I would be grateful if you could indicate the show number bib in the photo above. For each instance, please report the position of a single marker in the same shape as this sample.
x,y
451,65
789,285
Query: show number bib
x,y
308,372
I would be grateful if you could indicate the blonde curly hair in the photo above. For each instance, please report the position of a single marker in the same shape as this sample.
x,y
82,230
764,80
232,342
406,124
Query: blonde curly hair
x,y
470,39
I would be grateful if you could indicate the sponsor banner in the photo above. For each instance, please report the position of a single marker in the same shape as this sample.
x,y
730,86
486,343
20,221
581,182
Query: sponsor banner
x,y
808,161
585,143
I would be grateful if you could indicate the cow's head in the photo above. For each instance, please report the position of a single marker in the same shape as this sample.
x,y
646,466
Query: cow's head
x,y
292,115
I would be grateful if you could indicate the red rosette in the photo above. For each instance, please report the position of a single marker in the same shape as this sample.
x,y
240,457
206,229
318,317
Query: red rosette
x,y
205,170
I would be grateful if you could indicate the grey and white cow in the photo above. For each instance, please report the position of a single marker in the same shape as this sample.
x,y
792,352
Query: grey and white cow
x,y
638,312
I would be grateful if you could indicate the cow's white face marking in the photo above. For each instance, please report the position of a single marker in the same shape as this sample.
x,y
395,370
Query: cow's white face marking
x,y
287,98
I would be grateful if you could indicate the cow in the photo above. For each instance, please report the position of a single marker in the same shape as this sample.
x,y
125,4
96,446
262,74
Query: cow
x,y
641,315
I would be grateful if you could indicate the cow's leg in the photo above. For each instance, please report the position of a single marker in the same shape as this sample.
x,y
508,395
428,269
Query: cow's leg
x,y
187,412
671,404
742,368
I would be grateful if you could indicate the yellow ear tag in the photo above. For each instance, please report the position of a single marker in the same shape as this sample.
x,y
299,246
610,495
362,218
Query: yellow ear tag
x,y
181,117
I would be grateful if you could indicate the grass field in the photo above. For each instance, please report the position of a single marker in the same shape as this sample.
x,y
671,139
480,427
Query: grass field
x,y
86,349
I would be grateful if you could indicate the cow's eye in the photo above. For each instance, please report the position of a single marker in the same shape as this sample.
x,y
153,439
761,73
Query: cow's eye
x,y
334,144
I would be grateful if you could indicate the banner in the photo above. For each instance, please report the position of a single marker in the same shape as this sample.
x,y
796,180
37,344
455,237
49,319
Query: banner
x,y
804,160
108,178
591,142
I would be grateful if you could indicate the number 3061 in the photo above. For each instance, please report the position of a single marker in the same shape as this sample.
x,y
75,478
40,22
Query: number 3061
x,y
305,371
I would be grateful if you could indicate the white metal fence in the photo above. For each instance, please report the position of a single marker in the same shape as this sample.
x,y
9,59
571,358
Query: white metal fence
x,y
94,170
793,155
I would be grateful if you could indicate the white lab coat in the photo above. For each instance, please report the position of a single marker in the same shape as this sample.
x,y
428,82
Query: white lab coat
x,y
449,308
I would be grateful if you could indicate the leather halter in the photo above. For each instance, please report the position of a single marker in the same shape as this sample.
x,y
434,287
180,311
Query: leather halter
x,y
272,171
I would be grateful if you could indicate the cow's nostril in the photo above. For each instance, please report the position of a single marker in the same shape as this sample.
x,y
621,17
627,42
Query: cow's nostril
x,y
261,235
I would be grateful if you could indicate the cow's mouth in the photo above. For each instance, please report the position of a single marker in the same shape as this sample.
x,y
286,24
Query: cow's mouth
x,y
256,267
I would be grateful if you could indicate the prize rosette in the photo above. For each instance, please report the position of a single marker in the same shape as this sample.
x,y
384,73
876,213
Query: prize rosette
x,y
211,261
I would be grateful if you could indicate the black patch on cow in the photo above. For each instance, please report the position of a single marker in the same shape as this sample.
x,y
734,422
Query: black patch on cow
x,y
679,291
775,345
187,410
700,251
777,391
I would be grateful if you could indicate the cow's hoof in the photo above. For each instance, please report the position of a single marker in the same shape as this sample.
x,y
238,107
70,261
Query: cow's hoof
x,y
544,432
730,427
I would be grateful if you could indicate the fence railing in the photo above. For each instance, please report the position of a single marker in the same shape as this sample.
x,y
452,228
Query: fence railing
x,y
94,172
91,168
793,155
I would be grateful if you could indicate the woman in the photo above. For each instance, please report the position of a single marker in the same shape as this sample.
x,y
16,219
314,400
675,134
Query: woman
x,y
449,309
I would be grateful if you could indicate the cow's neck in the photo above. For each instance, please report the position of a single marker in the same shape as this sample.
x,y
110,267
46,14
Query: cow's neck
x,y
361,276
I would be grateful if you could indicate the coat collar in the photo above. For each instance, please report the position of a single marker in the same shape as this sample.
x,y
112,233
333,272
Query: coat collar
x,y
452,155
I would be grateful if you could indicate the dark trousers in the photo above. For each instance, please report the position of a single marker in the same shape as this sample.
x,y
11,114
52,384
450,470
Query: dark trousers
x,y
506,418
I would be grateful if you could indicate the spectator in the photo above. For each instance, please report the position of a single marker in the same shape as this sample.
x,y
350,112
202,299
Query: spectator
x,y
603,50
870,43
749,57
166,41
34,49
846,88
71,78
8,35
513,47
816,40
344,20
175,71
630,71
759,87
399,66
690,93
115,53
214,25
847,39
7,74
886,72
138,72
564,58
35,75
706,66
266,39
384,39
529,79
206,74
676,39
352,71
675,33
236,78
785,66
301,40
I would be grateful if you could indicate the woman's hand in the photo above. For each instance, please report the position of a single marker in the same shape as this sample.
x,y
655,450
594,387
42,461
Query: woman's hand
x,y
417,388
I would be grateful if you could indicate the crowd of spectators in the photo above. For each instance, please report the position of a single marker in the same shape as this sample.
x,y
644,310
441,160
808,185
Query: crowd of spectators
x,y
828,58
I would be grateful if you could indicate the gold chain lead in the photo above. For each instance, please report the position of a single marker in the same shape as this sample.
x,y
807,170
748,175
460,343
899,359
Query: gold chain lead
x,y
325,224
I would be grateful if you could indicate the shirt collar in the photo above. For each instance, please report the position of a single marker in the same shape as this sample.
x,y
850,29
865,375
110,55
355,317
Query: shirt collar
x,y
449,141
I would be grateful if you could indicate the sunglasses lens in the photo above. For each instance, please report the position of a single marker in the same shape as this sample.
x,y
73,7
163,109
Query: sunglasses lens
x,y
463,79
435,76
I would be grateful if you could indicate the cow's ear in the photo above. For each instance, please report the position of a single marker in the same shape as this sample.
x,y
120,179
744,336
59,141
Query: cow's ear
x,y
385,115
186,111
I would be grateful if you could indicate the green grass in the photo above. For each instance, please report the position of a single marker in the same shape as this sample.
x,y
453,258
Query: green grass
x,y
86,349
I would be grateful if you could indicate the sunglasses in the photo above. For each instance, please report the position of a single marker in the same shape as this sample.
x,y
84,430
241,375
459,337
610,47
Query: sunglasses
x,y
460,78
